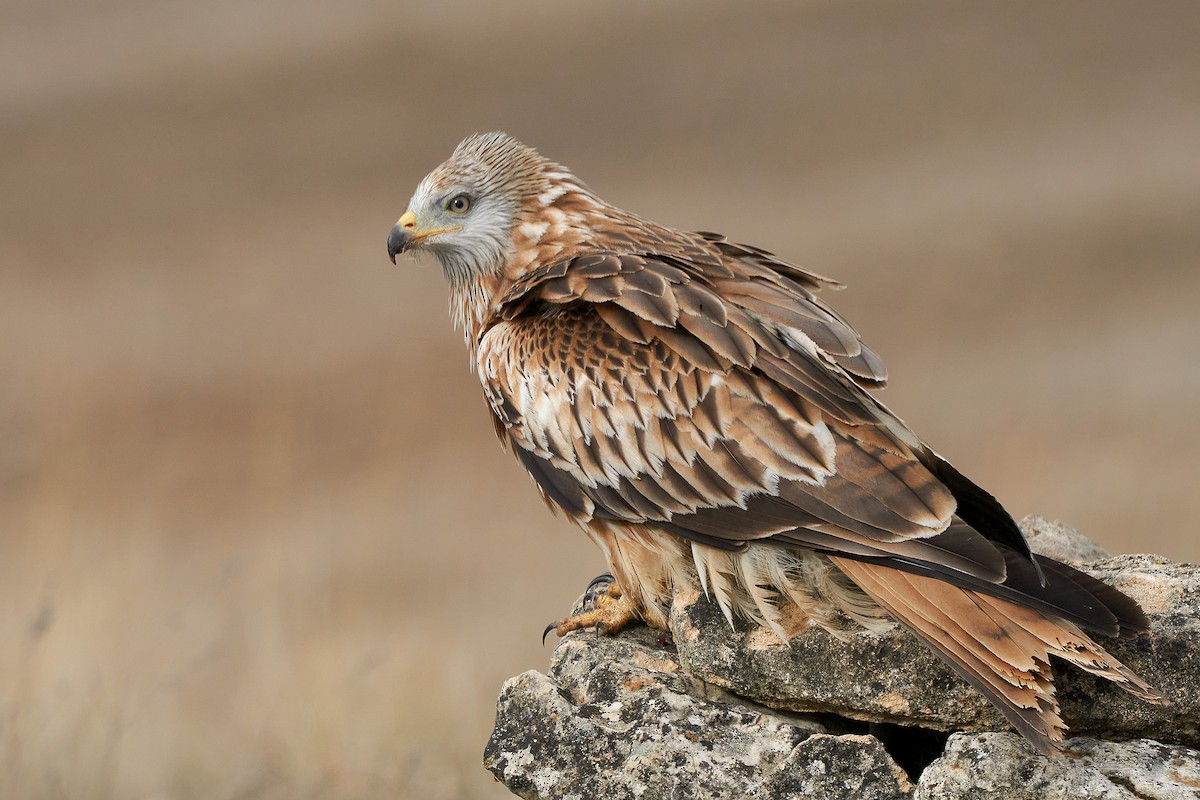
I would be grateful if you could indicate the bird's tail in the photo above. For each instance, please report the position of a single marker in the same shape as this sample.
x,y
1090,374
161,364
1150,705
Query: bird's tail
x,y
1000,648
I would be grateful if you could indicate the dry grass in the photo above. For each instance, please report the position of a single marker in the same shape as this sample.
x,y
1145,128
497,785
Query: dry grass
x,y
257,540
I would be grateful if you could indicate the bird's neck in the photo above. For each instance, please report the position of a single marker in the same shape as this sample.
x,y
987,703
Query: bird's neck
x,y
471,305
554,224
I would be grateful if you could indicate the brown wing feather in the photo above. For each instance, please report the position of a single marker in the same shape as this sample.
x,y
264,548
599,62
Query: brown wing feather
x,y
636,400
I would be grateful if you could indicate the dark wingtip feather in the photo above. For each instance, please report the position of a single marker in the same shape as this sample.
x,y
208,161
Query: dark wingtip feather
x,y
1065,592
979,509
1128,614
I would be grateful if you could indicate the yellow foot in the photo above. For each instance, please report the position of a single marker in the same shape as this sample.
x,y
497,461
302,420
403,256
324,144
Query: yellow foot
x,y
603,607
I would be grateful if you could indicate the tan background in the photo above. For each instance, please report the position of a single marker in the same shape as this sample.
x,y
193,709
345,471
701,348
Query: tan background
x,y
257,538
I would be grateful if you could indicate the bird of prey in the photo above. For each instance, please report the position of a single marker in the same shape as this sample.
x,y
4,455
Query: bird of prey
x,y
707,420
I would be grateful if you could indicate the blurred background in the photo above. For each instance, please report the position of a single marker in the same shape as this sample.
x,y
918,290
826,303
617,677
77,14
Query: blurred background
x,y
257,539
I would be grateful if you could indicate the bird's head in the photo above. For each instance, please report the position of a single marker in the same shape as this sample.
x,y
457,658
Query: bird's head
x,y
466,210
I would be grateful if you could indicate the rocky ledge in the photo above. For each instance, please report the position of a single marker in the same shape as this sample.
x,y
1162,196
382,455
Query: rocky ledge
x,y
710,712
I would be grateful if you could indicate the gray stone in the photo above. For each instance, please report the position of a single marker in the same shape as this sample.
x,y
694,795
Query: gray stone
x,y
1168,658
617,718
715,712
1002,765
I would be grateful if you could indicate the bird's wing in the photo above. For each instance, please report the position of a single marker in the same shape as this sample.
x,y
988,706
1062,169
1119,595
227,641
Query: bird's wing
x,y
717,400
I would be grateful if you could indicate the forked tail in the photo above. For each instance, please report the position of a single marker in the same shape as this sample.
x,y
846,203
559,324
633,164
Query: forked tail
x,y
1001,648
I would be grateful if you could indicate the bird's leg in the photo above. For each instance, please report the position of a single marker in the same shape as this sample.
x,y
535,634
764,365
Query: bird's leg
x,y
603,606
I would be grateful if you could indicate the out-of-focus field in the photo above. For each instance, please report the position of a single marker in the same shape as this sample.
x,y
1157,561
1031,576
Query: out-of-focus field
x,y
256,537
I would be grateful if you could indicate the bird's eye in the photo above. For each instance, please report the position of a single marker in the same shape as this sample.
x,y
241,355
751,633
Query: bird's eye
x,y
459,204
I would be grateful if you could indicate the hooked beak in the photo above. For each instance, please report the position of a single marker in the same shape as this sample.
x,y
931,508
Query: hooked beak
x,y
405,236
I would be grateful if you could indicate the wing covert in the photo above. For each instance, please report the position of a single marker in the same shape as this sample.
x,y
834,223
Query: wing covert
x,y
657,399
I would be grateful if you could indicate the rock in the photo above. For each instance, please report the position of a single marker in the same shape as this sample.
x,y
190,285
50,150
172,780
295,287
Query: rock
x,y
1168,658
1001,765
715,712
617,718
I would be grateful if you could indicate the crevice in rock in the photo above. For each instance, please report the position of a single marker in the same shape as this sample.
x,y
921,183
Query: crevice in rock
x,y
912,747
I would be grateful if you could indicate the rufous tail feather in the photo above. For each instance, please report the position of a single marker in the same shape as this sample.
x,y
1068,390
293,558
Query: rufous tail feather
x,y
1000,648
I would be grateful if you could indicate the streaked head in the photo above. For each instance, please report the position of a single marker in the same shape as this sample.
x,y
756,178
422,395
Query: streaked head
x,y
464,212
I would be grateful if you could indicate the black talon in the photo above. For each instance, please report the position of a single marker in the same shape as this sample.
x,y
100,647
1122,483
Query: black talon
x,y
605,577
597,587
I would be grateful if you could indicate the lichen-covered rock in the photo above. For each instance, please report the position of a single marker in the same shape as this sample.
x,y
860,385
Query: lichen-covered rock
x,y
722,713
1001,765
618,719
1168,658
